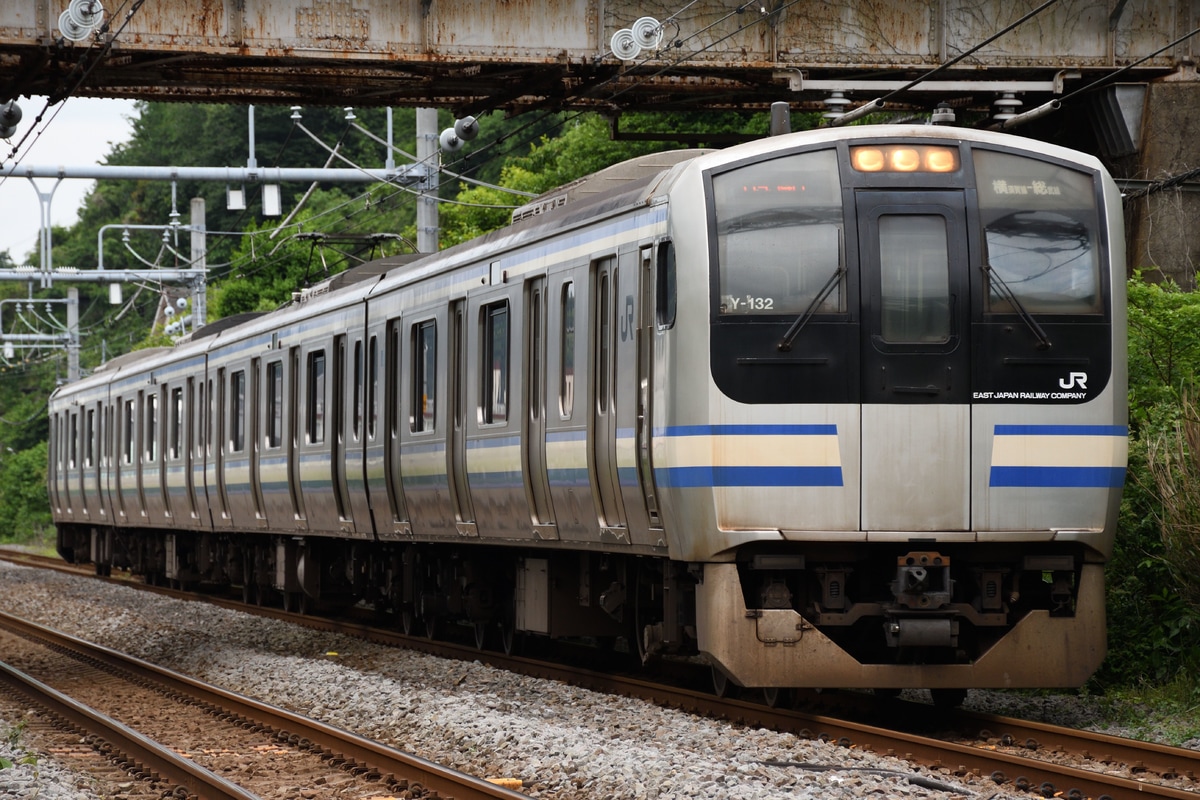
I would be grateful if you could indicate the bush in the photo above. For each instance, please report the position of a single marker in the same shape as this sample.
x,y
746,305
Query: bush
x,y
24,503
1153,594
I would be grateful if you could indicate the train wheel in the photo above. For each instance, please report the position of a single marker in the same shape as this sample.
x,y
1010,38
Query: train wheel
x,y
431,627
480,635
722,686
777,697
508,638
408,622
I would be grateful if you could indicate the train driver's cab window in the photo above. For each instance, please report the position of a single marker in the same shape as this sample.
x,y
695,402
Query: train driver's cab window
x,y
315,417
274,404
494,380
237,423
1040,233
424,378
566,387
779,233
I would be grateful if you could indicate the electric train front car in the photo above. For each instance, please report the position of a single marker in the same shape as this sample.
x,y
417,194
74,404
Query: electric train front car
x,y
902,464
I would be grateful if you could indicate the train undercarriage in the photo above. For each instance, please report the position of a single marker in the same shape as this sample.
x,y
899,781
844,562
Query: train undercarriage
x,y
836,616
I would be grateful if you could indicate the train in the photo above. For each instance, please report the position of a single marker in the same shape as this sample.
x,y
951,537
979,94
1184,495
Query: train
x,y
834,408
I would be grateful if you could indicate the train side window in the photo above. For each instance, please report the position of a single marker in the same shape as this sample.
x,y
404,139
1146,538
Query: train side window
x,y
275,404
176,429
493,399
664,290
237,393
779,233
315,419
151,444
566,387
424,400
1041,229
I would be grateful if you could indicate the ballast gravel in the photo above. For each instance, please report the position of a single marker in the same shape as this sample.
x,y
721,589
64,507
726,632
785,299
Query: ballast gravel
x,y
562,742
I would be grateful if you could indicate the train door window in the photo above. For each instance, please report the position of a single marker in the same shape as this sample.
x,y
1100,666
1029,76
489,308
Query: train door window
x,y
176,422
89,438
566,387
779,234
237,422
202,411
494,380
603,342
315,415
72,461
151,443
1040,234
915,278
357,390
664,289
275,404
372,385
129,430
424,401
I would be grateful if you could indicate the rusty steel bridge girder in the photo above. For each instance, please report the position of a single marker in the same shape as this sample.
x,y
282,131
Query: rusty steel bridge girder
x,y
479,55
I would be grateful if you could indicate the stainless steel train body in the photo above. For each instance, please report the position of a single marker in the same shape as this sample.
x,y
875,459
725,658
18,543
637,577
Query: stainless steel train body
x,y
834,408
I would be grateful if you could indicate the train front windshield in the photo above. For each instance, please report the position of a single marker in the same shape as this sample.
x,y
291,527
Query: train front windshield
x,y
852,258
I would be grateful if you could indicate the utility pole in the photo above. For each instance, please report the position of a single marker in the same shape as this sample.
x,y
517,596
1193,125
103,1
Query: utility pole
x,y
427,204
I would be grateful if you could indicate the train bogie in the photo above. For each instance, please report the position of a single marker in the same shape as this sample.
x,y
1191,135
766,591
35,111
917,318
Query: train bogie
x,y
838,408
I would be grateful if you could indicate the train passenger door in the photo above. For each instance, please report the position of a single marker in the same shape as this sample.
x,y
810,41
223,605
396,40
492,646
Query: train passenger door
x,y
536,476
915,370
456,447
603,452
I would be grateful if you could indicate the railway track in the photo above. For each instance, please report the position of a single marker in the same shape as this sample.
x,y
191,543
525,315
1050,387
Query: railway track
x,y
145,717
1043,759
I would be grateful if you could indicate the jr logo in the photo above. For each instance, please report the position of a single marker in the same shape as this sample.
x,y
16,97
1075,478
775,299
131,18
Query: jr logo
x,y
1074,379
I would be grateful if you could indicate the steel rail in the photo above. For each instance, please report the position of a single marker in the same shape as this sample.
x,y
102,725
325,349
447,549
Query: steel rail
x,y
362,752
147,753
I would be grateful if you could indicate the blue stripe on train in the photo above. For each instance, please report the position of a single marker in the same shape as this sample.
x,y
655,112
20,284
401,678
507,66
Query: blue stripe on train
x,y
1059,477
708,477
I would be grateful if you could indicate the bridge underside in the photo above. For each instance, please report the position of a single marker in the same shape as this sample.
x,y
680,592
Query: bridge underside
x,y
515,55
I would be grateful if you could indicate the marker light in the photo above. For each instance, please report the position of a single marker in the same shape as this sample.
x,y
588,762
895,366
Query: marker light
x,y
866,159
904,158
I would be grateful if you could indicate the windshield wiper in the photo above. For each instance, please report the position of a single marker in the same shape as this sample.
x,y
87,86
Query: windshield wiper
x,y
785,344
1008,294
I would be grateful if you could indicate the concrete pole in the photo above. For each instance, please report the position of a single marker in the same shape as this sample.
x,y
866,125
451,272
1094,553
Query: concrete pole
x,y
427,156
199,259
72,334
